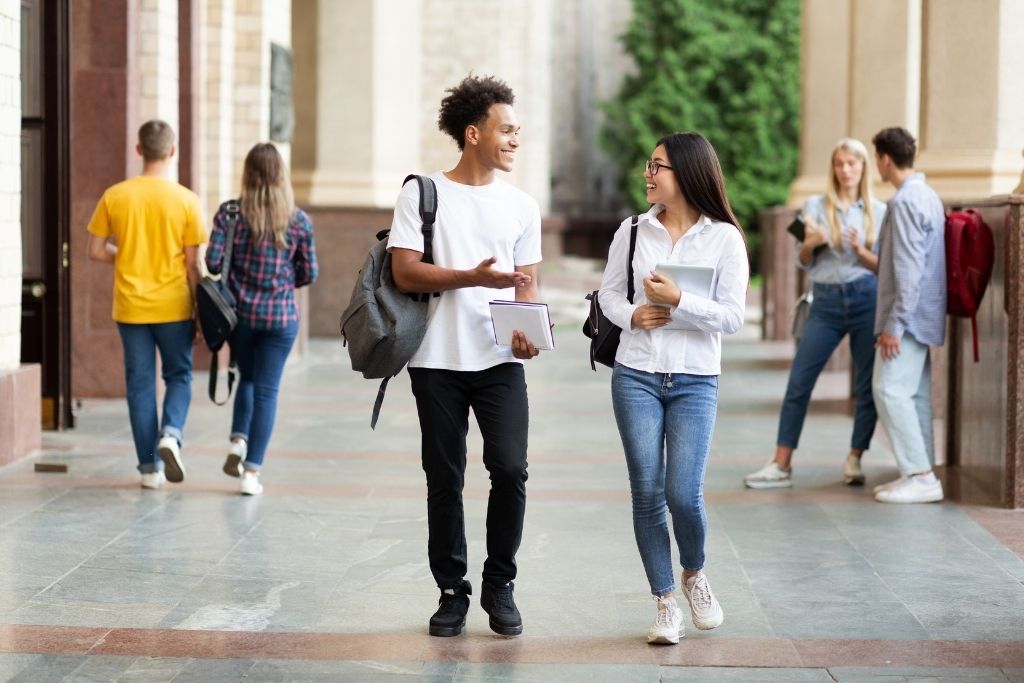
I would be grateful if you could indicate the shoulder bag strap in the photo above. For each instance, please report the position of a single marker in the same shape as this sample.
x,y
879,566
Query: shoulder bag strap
x,y
632,248
233,211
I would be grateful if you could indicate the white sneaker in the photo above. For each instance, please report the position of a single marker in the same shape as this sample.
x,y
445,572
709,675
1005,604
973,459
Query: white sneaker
x,y
889,484
250,484
668,622
915,489
169,451
153,480
704,608
771,476
852,474
236,454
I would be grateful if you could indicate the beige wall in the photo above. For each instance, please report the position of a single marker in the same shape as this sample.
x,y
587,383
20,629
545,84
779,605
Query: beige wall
x,y
946,70
367,95
10,184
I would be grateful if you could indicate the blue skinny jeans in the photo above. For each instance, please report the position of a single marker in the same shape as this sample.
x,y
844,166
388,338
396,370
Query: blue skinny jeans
x,y
666,422
261,355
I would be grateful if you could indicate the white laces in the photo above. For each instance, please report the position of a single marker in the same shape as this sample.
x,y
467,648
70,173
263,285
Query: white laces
x,y
666,611
700,594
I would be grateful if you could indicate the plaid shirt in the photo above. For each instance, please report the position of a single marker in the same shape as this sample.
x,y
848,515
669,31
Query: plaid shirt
x,y
263,276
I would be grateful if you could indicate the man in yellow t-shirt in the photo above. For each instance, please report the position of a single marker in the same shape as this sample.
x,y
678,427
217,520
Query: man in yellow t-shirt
x,y
150,228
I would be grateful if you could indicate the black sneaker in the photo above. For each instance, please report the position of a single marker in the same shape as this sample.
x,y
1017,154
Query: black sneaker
x,y
498,602
450,617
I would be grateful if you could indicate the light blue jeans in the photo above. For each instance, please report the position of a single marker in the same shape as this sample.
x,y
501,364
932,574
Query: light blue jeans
x,y
141,343
666,422
903,397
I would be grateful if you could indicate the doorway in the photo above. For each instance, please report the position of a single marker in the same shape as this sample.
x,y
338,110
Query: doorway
x,y
45,204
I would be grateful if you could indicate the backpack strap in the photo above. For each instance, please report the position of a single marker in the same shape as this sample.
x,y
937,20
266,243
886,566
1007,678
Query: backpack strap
x,y
630,292
428,215
378,402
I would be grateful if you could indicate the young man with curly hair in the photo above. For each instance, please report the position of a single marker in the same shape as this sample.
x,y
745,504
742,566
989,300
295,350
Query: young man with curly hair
x,y
486,246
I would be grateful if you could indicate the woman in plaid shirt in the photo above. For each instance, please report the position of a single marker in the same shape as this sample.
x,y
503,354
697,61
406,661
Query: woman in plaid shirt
x,y
273,253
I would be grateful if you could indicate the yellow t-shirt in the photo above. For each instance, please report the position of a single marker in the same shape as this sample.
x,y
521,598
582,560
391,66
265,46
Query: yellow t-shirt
x,y
152,220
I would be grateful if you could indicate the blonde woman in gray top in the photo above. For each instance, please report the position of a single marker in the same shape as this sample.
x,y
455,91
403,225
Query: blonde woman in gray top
x,y
845,220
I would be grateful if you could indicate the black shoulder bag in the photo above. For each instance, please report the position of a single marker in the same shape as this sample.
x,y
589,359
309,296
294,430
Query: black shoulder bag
x,y
215,306
603,334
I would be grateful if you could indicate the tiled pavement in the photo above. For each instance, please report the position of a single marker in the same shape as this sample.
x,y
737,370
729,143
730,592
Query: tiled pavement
x,y
325,576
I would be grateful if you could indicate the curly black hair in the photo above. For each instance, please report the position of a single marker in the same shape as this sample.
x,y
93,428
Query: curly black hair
x,y
898,143
467,103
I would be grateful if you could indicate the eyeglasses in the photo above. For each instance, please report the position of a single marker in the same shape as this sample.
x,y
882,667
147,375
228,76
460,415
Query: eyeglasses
x,y
653,167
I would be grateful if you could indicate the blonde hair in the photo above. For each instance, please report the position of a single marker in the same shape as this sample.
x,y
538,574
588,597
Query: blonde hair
x,y
156,138
267,201
857,148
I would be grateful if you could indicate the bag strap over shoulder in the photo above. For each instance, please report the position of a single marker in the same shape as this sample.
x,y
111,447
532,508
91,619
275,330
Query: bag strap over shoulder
x,y
629,259
233,210
428,215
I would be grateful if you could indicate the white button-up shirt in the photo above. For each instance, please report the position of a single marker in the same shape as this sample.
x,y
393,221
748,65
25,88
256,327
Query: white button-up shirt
x,y
707,243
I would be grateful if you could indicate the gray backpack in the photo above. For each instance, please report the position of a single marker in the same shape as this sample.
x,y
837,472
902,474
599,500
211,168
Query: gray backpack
x,y
382,326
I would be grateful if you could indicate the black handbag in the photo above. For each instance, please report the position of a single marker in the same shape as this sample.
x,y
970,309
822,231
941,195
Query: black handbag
x,y
603,333
215,307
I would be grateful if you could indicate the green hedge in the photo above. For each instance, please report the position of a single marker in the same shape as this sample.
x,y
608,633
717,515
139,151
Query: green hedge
x,y
729,69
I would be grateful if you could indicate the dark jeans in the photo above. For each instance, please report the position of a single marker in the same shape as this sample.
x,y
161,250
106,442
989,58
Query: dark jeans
x,y
837,310
497,397
261,355
141,343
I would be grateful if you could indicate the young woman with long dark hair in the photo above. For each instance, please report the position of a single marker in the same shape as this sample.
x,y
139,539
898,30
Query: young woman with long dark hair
x,y
665,380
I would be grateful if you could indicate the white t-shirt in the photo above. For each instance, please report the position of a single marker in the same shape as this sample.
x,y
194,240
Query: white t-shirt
x,y
474,222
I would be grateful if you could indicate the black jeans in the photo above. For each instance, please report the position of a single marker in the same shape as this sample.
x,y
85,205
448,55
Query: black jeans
x,y
497,397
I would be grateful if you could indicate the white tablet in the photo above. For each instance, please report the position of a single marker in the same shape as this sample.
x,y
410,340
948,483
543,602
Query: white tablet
x,y
695,280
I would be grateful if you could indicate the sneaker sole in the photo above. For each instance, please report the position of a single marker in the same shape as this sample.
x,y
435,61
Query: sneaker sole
x,y
910,502
233,465
173,469
854,481
707,625
768,484
663,640
446,631
505,630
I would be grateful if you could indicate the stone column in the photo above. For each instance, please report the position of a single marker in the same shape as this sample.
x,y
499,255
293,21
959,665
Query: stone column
x,y
885,71
104,124
357,100
217,56
157,63
861,72
10,186
825,91
971,132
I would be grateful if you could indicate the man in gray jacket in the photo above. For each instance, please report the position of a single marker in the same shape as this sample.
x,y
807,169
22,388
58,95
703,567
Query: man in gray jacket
x,y
910,317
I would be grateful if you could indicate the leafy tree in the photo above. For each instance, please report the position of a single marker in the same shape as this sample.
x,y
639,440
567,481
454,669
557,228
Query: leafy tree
x,y
729,69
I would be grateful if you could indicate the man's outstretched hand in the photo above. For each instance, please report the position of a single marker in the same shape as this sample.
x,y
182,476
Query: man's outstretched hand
x,y
484,275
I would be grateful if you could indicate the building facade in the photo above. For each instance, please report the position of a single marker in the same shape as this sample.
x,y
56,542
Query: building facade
x,y
350,90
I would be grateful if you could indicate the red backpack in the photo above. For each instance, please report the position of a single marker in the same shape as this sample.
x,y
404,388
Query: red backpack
x,y
970,253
